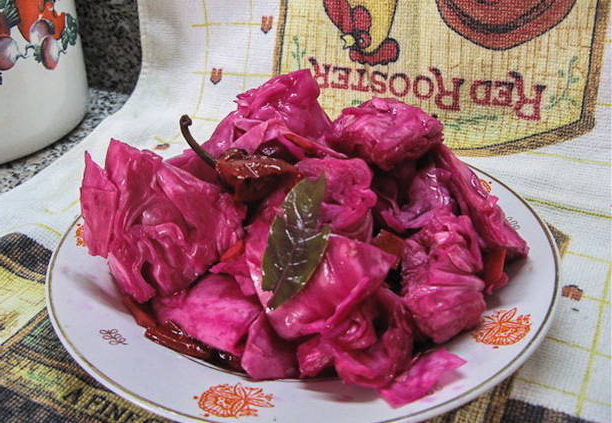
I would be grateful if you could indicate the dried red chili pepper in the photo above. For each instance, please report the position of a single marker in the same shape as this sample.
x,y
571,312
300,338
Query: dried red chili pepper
x,y
172,336
184,123
230,361
251,177
277,150
141,312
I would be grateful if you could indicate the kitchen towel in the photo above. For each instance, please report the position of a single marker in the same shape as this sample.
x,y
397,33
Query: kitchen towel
x,y
524,92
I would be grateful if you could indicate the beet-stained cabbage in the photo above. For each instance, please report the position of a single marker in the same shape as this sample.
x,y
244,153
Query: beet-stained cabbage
x,y
293,97
427,194
349,272
415,242
282,111
421,377
384,132
213,311
488,218
348,198
439,268
238,268
266,355
314,356
376,365
159,226
369,347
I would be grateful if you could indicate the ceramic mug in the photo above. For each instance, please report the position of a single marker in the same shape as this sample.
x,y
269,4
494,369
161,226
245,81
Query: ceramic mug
x,y
43,86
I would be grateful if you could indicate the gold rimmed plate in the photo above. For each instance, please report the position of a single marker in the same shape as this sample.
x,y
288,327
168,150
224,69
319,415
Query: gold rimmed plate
x,y
100,334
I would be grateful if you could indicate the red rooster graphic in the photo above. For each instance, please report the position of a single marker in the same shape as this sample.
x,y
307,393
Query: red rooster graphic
x,y
503,24
365,27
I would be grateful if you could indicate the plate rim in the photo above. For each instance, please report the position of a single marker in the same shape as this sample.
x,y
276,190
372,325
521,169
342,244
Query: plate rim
x,y
429,412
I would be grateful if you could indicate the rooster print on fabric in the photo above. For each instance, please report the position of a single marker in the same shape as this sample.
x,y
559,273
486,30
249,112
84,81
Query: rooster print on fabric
x,y
503,24
365,26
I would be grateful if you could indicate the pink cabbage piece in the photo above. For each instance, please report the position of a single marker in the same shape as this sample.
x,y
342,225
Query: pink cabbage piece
x,y
349,272
266,355
421,378
213,311
255,241
348,197
292,96
190,162
368,348
488,218
391,192
314,356
384,132
275,130
284,107
375,363
367,269
428,194
99,198
159,226
355,332
238,268
441,288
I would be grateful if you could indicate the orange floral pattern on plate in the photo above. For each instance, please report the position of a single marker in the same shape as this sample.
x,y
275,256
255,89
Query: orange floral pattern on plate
x,y
234,400
80,235
487,185
503,328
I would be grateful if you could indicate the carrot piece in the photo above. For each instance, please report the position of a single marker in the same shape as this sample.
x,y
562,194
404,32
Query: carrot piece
x,y
391,244
233,251
494,262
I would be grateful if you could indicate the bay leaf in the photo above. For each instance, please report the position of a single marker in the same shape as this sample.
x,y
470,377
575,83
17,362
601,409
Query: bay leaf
x,y
296,242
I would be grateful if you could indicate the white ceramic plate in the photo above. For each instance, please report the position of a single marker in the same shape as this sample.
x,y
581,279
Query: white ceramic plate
x,y
103,338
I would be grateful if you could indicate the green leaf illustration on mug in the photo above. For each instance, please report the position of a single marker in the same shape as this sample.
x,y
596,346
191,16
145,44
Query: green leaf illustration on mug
x,y
296,243
69,35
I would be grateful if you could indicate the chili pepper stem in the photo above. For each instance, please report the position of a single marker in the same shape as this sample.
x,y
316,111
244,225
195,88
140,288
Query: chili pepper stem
x,y
185,122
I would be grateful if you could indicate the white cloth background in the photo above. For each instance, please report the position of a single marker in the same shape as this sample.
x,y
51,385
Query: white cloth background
x,y
568,183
